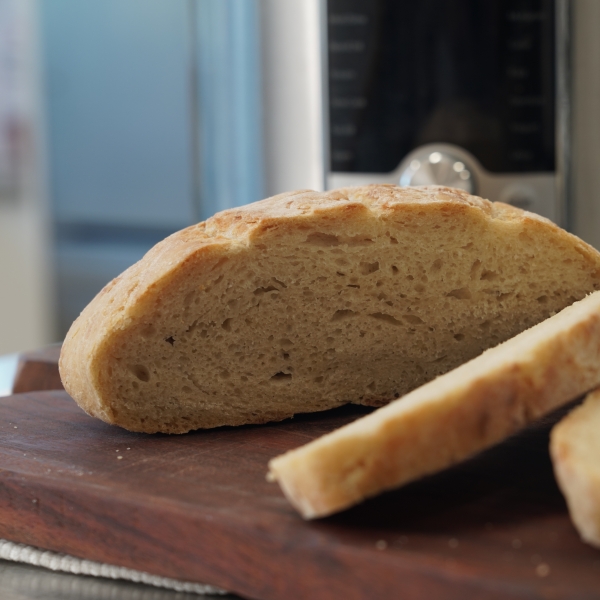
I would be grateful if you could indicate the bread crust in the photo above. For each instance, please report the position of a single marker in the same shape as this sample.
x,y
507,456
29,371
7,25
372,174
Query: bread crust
x,y
449,419
92,343
575,452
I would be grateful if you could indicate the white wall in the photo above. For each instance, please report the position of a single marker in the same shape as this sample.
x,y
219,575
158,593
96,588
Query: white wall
x,y
292,96
26,298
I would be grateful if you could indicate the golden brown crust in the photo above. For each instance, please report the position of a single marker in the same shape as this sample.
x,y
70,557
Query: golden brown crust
x,y
450,418
94,339
575,452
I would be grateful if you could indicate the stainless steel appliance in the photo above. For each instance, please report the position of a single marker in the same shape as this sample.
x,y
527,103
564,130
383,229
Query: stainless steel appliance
x,y
463,93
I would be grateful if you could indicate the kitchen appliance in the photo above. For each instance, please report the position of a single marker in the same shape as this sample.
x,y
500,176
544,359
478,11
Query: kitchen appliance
x,y
463,93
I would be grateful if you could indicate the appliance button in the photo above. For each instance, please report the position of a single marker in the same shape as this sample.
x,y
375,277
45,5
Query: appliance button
x,y
438,168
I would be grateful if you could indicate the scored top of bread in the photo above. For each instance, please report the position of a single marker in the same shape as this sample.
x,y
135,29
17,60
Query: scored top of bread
x,y
575,451
451,418
309,300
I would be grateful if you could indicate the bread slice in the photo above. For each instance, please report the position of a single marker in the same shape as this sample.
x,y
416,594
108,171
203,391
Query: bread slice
x,y
448,419
307,301
575,451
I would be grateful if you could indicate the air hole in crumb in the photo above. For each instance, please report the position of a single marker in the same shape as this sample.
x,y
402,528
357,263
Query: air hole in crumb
x,y
264,290
412,319
219,263
226,325
189,298
459,337
170,340
437,264
460,293
285,342
371,386
358,240
319,379
343,314
224,374
281,376
385,318
368,268
393,240
542,299
186,389
487,275
340,273
322,239
394,269
475,268
141,372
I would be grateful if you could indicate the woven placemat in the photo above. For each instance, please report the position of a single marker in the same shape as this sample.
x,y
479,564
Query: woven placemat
x,y
78,566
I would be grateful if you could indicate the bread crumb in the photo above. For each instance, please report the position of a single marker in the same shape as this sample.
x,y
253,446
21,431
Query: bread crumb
x,y
381,545
119,457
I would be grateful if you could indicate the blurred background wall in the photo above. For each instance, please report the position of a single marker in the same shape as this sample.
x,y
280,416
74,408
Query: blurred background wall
x,y
27,283
122,121
133,119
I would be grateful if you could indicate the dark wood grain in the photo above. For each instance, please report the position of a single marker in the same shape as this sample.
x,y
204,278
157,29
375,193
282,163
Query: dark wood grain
x,y
197,507
38,370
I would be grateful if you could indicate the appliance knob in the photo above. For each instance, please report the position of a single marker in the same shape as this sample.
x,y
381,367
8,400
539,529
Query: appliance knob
x,y
438,168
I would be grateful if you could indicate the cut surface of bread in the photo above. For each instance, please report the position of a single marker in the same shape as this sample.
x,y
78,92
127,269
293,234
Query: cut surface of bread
x,y
449,419
575,451
307,301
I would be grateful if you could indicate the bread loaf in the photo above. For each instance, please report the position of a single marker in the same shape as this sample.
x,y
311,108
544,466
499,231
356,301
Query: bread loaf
x,y
575,451
451,418
307,301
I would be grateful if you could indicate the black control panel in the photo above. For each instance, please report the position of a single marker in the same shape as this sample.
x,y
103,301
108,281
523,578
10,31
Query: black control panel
x,y
479,74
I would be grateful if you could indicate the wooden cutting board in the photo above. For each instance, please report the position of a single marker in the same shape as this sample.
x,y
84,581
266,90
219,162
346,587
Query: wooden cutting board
x,y
197,507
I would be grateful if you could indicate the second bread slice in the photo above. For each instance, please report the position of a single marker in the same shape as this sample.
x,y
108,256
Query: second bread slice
x,y
448,419
575,451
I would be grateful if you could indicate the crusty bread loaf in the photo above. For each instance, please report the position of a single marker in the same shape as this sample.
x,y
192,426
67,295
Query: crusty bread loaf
x,y
308,300
448,419
575,451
